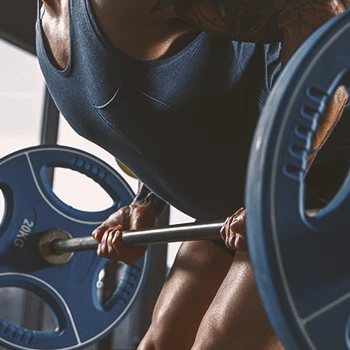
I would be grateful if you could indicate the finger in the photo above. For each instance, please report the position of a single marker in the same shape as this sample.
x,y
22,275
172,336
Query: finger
x,y
103,251
237,224
120,217
103,242
117,243
223,230
118,228
100,251
106,248
226,229
129,255
227,234
125,254
230,240
110,249
99,231
236,233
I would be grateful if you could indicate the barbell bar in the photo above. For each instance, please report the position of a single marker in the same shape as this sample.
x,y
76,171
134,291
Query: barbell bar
x,y
175,233
166,234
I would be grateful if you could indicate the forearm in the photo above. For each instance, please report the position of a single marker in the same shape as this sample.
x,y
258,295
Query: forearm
x,y
145,196
298,23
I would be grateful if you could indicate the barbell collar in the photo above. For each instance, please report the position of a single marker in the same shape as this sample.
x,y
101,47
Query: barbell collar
x,y
175,233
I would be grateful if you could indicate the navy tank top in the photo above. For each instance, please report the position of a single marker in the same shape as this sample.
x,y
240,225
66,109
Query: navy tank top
x,y
182,124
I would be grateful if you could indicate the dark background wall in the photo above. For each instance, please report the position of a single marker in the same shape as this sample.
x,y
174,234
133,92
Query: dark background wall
x,y
17,23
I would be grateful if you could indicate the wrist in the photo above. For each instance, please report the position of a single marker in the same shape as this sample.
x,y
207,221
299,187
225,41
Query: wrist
x,y
152,201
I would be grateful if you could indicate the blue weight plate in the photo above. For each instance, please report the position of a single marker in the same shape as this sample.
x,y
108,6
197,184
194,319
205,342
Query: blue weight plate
x,y
70,289
301,263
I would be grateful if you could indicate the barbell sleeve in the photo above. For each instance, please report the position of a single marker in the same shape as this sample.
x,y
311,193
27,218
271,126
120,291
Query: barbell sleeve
x,y
175,233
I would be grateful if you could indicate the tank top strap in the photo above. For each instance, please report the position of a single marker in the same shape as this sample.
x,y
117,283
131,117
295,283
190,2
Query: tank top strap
x,y
41,48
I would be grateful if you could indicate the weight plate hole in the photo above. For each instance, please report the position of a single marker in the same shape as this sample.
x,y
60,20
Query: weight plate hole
x,y
79,191
21,308
6,207
108,283
323,182
2,207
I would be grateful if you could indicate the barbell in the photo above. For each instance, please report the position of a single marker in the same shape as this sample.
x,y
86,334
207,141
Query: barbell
x,y
306,296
